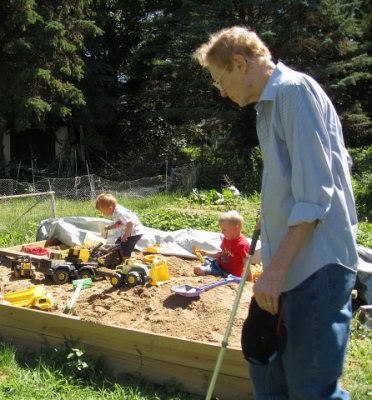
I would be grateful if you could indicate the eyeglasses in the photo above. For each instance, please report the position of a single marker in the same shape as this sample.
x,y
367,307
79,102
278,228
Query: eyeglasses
x,y
217,83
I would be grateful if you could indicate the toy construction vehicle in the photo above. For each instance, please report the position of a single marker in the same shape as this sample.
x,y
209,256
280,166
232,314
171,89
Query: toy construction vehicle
x,y
23,267
58,254
132,273
74,263
78,255
61,270
95,256
106,254
35,297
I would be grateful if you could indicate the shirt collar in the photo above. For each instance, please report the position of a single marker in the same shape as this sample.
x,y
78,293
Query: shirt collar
x,y
271,87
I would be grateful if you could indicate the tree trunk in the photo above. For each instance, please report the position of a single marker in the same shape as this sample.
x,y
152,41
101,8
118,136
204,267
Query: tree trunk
x,y
2,159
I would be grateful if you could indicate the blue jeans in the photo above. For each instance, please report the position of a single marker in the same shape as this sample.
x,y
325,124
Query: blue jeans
x,y
317,314
211,267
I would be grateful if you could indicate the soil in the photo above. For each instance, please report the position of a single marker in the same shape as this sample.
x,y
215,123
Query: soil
x,y
149,308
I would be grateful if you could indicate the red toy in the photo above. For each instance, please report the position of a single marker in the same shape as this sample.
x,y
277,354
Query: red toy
x,y
35,250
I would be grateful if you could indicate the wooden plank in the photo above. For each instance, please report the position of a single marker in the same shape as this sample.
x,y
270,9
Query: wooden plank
x,y
161,347
21,196
15,251
158,358
19,246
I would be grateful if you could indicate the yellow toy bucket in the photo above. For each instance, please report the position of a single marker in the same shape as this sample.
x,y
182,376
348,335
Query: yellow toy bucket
x,y
150,258
159,272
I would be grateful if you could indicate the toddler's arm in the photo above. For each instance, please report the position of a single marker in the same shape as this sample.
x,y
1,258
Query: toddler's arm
x,y
115,225
210,254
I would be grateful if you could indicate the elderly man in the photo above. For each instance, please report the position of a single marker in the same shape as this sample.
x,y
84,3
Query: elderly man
x,y
308,218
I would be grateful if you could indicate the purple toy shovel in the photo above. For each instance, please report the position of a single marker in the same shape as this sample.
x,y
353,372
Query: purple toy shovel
x,y
195,291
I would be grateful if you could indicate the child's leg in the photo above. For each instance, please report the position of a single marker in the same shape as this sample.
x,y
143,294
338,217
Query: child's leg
x,y
210,267
127,247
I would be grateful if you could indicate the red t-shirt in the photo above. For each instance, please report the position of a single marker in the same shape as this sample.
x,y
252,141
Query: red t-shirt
x,y
234,253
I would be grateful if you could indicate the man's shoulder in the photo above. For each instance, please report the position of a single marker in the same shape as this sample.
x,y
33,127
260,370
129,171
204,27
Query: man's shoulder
x,y
282,80
289,79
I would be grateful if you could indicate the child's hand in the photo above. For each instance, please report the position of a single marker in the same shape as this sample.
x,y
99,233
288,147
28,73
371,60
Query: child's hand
x,y
107,227
202,252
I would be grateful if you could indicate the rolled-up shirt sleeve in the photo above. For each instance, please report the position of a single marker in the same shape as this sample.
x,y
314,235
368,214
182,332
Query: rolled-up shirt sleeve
x,y
309,150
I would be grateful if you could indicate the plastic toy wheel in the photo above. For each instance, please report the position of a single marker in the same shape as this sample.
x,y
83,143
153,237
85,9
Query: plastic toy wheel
x,y
60,276
133,278
85,273
116,280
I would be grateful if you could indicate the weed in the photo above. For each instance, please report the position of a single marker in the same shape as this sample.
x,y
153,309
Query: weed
x,y
365,234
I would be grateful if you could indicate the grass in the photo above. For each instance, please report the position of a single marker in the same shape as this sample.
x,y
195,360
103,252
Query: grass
x,y
52,375
357,378
163,211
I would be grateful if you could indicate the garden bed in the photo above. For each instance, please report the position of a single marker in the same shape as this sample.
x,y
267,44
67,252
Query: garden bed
x,y
145,329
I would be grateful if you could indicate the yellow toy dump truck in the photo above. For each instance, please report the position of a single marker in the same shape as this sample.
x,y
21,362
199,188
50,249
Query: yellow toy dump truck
x,y
35,297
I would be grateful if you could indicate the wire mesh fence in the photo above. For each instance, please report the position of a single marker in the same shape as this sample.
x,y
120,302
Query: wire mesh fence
x,y
88,186
23,203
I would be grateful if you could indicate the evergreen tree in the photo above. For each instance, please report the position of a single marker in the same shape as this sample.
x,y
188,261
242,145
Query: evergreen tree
x,y
41,62
166,88
331,41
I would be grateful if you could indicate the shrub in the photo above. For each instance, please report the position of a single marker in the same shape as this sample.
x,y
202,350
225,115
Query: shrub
x,y
362,181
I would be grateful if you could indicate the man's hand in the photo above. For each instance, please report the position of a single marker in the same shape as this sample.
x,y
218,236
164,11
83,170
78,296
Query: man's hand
x,y
269,287
271,283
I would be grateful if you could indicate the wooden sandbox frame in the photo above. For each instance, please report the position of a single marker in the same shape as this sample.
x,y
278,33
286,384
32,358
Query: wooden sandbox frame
x,y
156,358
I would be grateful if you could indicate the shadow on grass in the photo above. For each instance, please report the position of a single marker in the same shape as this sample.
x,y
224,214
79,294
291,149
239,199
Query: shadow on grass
x,y
72,365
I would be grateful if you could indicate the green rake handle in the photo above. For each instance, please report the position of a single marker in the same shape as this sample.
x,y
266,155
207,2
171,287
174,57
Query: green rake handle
x,y
224,343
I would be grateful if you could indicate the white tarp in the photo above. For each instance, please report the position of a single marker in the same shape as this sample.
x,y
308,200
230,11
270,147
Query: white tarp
x,y
87,231
365,274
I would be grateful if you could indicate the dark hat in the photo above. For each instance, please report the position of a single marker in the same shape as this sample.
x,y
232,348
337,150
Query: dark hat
x,y
263,335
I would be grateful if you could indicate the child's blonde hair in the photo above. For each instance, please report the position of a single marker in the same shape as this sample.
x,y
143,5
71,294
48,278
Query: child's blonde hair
x,y
105,200
231,218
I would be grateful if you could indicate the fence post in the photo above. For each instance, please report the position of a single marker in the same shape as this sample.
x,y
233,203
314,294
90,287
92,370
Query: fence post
x,y
54,207
166,176
91,183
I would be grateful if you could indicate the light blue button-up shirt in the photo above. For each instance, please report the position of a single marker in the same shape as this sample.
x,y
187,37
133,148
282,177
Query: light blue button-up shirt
x,y
306,174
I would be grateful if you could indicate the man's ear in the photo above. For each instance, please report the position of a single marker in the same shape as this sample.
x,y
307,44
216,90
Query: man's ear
x,y
240,62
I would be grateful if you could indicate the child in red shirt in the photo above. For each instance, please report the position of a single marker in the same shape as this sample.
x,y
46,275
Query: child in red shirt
x,y
234,249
